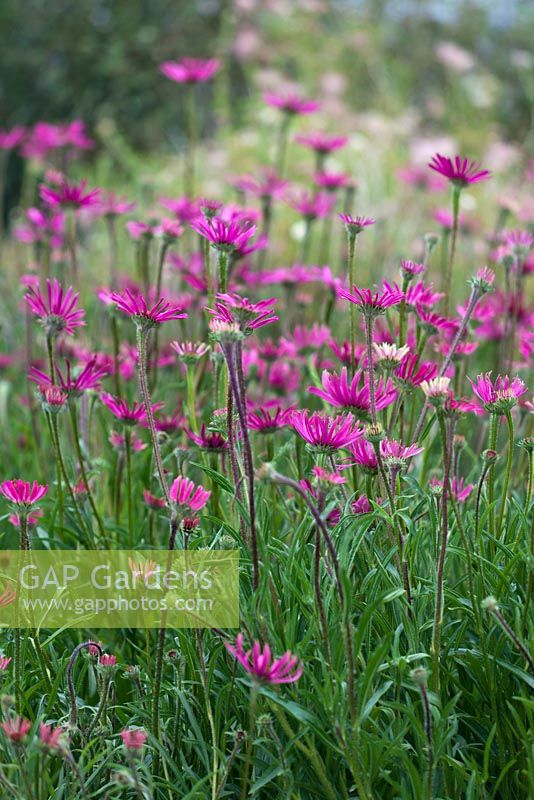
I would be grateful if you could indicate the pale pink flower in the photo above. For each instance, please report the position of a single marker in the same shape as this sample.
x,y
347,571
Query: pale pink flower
x,y
261,665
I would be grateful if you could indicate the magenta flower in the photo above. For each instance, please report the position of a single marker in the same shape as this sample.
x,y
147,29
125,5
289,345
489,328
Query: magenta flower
x,y
41,228
409,269
69,195
268,185
183,208
21,493
460,171
445,218
12,138
290,104
190,70
57,309
361,505
395,454
314,205
321,142
211,441
133,738
129,415
261,665
373,304
232,309
16,729
88,378
498,397
421,295
50,737
355,225
325,433
136,307
411,373
110,205
222,235
118,442
331,181
183,492
433,322
352,396
265,420
363,455
459,491
107,660
5,661
190,352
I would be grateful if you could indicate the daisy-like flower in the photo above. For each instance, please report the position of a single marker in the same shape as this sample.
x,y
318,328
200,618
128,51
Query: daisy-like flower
x,y
12,138
352,396
436,390
53,398
420,295
310,339
483,280
16,729
88,377
210,441
69,195
328,478
459,490
128,414
223,235
133,739
111,206
234,309
460,171
457,406
355,225
410,373
118,442
410,269
432,322
322,143
313,205
373,304
363,455
137,308
190,70
323,433
268,420
267,186
389,356
260,664
290,104
23,494
5,661
396,455
500,396
51,738
183,492
56,309
190,352
361,505
331,181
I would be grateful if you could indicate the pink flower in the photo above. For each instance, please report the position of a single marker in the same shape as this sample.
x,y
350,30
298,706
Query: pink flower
x,y
16,729
444,217
12,138
355,225
373,304
364,455
329,478
69,195
409,269
22,493
500,396
118,441
152,501
264,420
325,433
396,454
133,738
88,378
433,323
314,205
138,230
321,142
460,171
421,295
224,236
136,307
331,181
340,393
51,737
107,660
110,205
183,208
57,309
459,492
310,339
183,492
268,185
211,441
129,415
4,663
190,70
290,103
361,505
259,663
234,309
190,352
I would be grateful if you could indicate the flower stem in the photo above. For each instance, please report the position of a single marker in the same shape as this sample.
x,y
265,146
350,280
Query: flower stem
x,y
443,549
369,325
509,461
454,235
83,473
128,453
250,738
223,270
351,243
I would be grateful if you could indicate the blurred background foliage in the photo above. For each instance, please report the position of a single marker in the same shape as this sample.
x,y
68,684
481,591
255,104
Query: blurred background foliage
x,y
98,60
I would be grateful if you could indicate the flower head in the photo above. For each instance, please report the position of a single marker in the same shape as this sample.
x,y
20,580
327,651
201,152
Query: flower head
x,y
73,385
395,454
57,308
324,433
500,396
234,309
133,739
50,737
261,665
460,171
410,269
389,356
16,729
352,396
183,492
361,505
69,195
222,235
373,304
136,307
290,104
211,441
190,352
355,225
266,420
22,493
190,70
321,142
128,414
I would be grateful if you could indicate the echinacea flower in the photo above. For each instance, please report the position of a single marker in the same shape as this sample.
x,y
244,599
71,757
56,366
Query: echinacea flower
x,y
373,304
324,433
460,171
331,181
57,309
260,664
22,493
133,739
363,454
110,205
190,70
352,396
290,104
222,235
313,205
16,729
69,195
267,186
483,280
183,492
136,307
500,396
